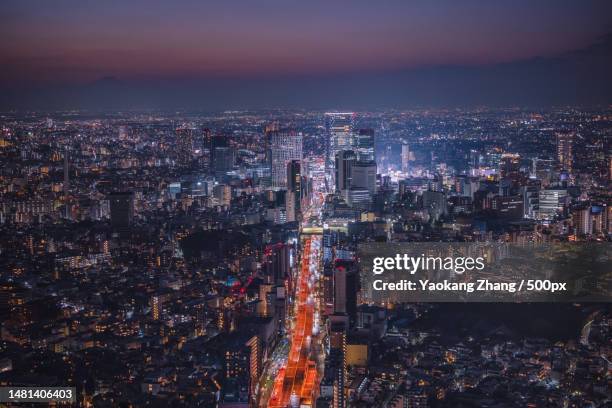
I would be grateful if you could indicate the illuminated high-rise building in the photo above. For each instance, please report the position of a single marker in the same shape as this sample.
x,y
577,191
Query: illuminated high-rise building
x,y
66,184
269,130
345,159
207,136
565,146
293,198
242,359
339,134
364,145
285,145
294,177
156,306
184,138
405,157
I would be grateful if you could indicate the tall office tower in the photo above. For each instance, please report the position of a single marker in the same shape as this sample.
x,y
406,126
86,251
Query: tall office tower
x,y
184,145
405,157
344,170
285,145
565,145
121,210
364,145
206,140
364,176
339,135
294,177
340,289
293,198
213,142
223,159
337,361
474,159
269,130
66,185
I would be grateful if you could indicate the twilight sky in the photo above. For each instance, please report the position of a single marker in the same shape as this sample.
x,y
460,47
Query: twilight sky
x,y
55,43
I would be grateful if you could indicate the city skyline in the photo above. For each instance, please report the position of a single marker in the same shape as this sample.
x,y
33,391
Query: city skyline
x,y
222,261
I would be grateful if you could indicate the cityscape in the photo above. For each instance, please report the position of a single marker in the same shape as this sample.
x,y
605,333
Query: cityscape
x,y
316,204
193,259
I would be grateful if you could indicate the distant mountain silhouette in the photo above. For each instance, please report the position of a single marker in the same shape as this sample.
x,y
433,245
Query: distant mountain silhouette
x,y
581,77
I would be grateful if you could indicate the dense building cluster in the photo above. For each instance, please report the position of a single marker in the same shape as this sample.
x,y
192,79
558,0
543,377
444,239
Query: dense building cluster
x,y
155,259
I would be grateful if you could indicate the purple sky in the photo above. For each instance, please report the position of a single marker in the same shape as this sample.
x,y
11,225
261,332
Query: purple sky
x,y
64,41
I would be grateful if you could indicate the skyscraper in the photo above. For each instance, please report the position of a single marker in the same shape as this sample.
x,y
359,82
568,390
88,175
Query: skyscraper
x,y
206,140
269,129
294,190
294,176
340,289
223,159
364,145
285,145
405,157
344,170
66,185
339,134
184,138
565,144
216,142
